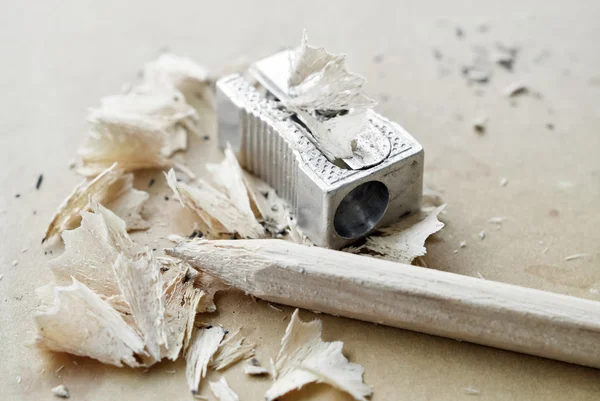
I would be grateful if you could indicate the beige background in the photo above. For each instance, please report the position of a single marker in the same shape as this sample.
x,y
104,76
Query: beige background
x,y
58,58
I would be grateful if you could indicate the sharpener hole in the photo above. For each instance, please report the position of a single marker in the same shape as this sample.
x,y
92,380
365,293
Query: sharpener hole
x,y
361,209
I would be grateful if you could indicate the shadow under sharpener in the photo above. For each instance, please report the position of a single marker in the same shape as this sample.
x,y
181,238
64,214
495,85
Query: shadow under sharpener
x,y
334,205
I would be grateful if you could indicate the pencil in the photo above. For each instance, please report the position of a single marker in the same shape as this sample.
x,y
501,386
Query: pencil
x,y
445,304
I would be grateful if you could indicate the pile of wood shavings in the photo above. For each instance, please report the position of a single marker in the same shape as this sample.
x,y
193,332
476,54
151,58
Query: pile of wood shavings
x,y
122,304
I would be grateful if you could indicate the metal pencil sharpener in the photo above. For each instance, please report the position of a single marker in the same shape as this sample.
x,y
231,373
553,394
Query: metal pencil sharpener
x,y
335,202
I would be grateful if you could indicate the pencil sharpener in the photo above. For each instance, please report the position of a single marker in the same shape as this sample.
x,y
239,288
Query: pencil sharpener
x,y
335,202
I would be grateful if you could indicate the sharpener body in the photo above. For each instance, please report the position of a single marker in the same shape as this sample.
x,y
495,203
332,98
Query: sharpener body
x,y
334,205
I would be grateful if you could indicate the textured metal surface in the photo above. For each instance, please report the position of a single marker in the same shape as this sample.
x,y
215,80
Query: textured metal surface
x,y
271,145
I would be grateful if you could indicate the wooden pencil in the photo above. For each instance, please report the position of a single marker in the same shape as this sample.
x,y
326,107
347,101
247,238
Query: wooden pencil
x,y
445,304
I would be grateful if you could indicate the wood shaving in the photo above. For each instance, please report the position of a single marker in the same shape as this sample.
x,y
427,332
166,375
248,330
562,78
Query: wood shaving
x,y
80,322
327,98
576,256
122,285
161,105
90,252
497,220
482,234
305,358
130,204
149,122
239,203
404,241
181,305
181,73
135,142
320,80
204,284
230,176
61,391
204,344
217,211
112,188
140,283
231,352
222,391
253,368
503,181
274,210
463,244
265,202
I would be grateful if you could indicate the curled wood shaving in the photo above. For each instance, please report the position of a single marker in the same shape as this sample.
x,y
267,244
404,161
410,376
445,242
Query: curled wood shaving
x,y
112,188
141,286
327,98
239,203
204,344
404,241
222,391
101,257
181,305
135,142
145,125
266,204
231,352
217,211
90,252
207,285
320,80
274,211
203,200
129,207
305,358
181,73
82,323
161,104
230,176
